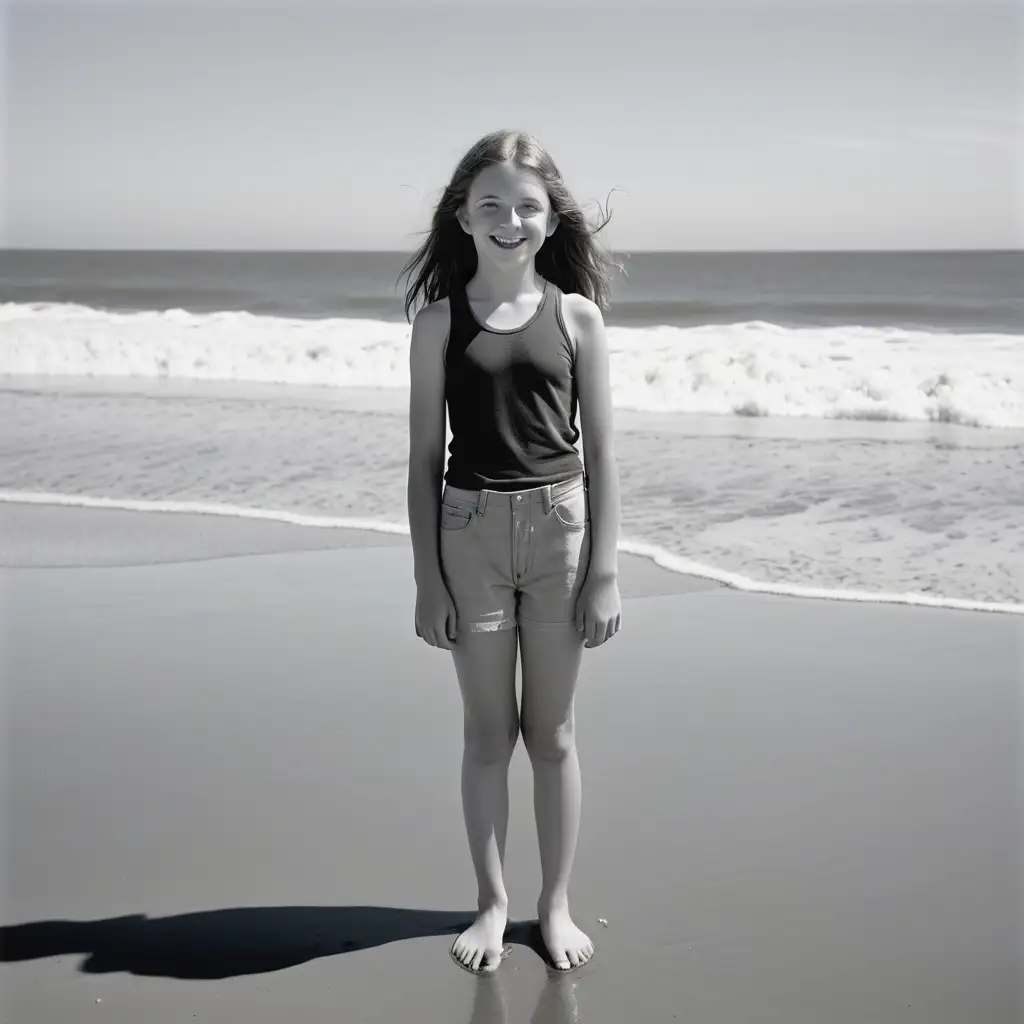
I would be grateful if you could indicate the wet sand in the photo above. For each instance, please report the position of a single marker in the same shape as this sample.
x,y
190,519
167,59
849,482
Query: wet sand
x,y
841,506
231,794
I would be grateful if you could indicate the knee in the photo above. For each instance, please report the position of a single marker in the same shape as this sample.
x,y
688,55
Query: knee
x,y
490,744
550,743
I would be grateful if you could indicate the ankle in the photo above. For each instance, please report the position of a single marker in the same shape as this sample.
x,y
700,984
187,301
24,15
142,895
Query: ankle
x,y
549,904
498,902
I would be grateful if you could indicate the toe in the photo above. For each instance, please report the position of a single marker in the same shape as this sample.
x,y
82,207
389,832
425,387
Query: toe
x,y
574,958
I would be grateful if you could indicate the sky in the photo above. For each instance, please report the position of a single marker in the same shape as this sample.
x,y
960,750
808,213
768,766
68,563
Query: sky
x,y
701,124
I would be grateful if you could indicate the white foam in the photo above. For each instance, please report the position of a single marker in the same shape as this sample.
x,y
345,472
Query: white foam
x,y
664,559
751,369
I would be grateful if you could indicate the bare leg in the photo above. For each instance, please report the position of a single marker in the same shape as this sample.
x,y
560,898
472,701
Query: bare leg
x,y
486,667
551,663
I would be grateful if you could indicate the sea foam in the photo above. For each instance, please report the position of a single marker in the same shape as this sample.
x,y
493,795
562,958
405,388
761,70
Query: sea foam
x,y
748,369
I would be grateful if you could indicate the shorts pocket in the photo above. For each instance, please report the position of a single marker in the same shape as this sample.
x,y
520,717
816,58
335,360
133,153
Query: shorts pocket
x,y
572,510
455,518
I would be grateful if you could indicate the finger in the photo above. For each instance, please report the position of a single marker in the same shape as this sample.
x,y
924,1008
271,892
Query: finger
x,y
580,621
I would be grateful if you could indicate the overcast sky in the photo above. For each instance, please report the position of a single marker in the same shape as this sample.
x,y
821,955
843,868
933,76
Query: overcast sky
x,y
768,124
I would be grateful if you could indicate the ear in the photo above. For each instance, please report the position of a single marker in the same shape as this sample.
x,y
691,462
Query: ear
x,y
460,216
552,223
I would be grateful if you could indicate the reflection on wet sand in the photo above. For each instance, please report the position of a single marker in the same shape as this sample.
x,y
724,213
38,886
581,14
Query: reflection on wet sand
x,y
556,1003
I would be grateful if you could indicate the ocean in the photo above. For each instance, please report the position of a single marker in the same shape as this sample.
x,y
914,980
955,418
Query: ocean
x,y
843,424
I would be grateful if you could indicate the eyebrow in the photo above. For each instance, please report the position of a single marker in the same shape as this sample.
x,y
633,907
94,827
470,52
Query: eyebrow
x,y
533,198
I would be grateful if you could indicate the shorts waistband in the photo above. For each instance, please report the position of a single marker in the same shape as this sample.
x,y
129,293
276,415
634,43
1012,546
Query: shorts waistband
x,y
544,495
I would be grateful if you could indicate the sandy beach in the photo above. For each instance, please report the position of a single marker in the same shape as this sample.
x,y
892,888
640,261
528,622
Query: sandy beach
x,y
231,794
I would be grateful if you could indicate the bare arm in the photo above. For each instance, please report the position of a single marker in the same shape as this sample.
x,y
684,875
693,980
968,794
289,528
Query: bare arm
x,y
595,399
426,438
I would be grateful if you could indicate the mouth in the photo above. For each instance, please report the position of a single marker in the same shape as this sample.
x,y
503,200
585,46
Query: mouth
x,y
507,243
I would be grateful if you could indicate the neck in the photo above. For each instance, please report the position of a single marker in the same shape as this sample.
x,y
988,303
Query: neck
x,y
504,284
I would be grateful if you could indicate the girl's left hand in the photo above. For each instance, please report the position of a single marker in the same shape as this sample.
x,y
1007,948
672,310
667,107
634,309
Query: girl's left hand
x,y
598,610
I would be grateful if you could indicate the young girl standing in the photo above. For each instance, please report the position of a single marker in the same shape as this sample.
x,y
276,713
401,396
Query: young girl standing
x,y
515,548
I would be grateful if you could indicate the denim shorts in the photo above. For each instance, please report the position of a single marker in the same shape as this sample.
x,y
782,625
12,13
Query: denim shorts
x,y
509,556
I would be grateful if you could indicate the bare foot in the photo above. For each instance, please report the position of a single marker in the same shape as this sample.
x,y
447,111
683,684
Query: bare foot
x,y
479,946
566,944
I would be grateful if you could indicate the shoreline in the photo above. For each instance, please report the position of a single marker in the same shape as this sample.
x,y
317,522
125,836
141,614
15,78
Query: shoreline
x,y
657,559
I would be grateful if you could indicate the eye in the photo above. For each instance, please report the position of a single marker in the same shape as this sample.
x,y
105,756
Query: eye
x,y
489,203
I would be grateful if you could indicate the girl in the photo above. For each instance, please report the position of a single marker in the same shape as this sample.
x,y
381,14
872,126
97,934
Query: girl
x,y
516,554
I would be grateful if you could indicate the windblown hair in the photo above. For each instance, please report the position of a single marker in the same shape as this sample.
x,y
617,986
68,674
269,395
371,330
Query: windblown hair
x,y
569,258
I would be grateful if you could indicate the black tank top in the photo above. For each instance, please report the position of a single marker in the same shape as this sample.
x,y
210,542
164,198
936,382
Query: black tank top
x,y
511,399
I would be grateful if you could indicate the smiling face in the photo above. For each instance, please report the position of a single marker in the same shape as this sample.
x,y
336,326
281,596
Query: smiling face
x,y
506,202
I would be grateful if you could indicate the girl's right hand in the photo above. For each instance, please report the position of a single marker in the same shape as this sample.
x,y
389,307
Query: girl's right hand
x,y
435,615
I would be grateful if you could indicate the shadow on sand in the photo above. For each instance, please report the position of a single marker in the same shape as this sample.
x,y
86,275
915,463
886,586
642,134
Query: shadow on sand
x,y
246,940
215,944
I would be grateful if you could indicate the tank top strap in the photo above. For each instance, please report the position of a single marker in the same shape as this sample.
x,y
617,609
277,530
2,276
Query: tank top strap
x,y
461,329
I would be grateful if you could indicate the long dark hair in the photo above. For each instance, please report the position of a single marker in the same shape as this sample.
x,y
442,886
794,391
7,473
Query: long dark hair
x,y
569,258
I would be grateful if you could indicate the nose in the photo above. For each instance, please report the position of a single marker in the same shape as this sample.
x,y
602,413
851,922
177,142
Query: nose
x,y
511,219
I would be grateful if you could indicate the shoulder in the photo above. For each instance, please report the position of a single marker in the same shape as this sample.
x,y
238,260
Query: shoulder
x,y
583,319
433,320
430,329
429,342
